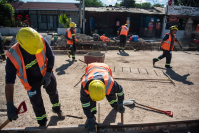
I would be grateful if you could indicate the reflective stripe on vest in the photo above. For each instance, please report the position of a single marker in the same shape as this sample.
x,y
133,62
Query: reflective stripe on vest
x,y
69,35
124,31
108,82
166,44
150,26
15,55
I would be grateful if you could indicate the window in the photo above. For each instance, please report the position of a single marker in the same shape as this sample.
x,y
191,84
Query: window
x,y
43,18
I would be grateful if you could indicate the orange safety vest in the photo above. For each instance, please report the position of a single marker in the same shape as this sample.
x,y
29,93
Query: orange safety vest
x,y
15,56
166,44
157,25
104,39
150,26
101,69
124,30
69,35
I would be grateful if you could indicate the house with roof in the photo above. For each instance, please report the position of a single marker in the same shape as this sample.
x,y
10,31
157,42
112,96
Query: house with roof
x,y
107,20
44,16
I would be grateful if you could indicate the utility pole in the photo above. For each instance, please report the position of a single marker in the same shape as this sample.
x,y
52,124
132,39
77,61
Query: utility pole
x,y
83,16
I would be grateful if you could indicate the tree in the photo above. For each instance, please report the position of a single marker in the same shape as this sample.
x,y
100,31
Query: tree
x,y
12,0
64,20
192,3
158,5
92,3
6,13
146,5
128,3
137,5
116,4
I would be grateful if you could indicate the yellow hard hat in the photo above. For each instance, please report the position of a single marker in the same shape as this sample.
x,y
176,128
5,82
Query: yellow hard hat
x,y
175,27
30,40
125,24
97,90
72,24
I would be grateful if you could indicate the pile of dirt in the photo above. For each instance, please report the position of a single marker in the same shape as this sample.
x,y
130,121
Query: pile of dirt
x,y
80,38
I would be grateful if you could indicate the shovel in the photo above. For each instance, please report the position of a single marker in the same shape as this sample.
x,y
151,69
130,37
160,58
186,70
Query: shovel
x,y
23,104
132,101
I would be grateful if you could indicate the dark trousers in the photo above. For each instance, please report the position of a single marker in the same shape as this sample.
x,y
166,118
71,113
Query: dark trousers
x,y
166,54
2,54
112,99
122,41
73,50
37,101
157,33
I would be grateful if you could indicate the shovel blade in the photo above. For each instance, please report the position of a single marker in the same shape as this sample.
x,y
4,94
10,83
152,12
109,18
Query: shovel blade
x,y
128,102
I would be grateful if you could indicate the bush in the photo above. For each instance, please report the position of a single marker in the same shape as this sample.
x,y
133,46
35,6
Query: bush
x,y
64,20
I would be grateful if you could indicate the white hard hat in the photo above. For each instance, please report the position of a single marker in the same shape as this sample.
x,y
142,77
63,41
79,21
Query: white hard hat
x,y
158,19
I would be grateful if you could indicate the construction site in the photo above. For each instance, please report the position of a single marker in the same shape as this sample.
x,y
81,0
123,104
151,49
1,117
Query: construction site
x,y
153,90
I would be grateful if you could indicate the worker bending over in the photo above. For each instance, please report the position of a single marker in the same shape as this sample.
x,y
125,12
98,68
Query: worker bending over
x,y
71,38
167,45
123,34
96,84
32,60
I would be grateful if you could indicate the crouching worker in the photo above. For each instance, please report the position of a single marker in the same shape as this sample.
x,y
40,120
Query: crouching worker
x,y
32,60
96,84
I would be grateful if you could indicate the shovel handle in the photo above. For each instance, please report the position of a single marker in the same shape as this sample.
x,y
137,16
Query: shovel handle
x,y
122,118
4,124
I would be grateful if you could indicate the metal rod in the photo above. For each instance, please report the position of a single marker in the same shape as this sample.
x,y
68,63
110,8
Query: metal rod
x,y
98,112
141,79
122,118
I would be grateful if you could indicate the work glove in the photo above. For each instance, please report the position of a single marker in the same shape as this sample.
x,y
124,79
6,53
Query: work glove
x,y
120,108
90,124
181,46
11,111
46,79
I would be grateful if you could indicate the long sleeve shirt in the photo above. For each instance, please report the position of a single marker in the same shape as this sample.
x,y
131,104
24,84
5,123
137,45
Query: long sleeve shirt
x,y
85,98
32,69
167,37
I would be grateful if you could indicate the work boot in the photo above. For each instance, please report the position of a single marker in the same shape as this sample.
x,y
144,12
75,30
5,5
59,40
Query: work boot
x,y
119,50
154,61
168,66
73,59
43,124
60,114
68,54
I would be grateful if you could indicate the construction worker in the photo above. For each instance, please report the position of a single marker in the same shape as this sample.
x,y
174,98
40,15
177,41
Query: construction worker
x,y
158,25
2,54
32,59
96,84
70,38
167,45
123,34
150,28
104,38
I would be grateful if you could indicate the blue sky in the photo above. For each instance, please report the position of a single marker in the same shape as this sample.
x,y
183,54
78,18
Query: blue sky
x,y
107,2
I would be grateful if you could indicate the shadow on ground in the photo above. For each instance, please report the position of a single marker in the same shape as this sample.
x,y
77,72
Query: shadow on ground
x,y
54,120
175,76
61,69
110,117
123,53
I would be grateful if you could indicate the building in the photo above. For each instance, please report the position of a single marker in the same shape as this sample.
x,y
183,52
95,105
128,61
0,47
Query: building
x,y
187,19
45,15
107,20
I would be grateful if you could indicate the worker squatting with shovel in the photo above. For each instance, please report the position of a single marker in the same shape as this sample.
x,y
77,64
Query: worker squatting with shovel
x,y
96,84
32,60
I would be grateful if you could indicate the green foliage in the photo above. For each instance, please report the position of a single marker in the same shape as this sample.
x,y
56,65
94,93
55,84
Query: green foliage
x,y
116,4
192,3
145,5
12,0
93,3
130,3
64,20
158,5
4,40
6,13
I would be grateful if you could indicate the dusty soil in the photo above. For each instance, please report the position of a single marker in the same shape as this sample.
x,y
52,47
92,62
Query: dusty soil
x,y
182,99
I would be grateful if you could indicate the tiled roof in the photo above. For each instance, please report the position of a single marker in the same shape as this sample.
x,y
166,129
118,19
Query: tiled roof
x,y
49,6
155,10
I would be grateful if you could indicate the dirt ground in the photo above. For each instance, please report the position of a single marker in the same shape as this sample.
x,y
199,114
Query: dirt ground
x,y
182,99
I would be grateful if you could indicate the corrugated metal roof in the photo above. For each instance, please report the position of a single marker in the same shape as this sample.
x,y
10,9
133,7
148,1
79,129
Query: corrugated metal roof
x,y
155,10
49,6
